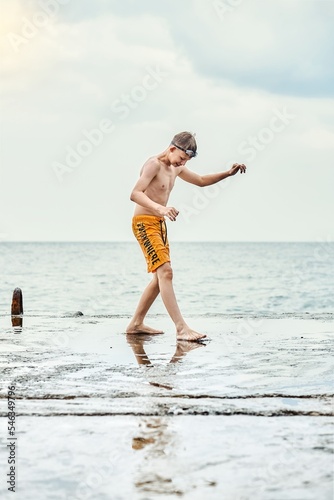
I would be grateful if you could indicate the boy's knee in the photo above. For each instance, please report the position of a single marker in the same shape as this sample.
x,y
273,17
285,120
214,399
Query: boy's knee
x,y
165,272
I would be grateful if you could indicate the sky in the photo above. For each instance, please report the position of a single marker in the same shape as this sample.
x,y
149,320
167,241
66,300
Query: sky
x,y
90,90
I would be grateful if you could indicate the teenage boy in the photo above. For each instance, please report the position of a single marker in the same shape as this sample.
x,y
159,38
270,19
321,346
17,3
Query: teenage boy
x,y
151,194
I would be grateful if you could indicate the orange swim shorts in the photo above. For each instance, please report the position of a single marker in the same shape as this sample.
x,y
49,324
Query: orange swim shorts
x,y
151,234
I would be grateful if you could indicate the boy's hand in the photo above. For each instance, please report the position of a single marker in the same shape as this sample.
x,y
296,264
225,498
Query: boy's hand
x,y
169,212
236,167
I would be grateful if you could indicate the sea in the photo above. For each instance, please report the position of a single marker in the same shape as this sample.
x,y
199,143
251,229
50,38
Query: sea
x,y
210,278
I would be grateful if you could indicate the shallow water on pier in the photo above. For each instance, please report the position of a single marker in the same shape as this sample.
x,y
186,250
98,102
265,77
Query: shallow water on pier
x,y
104,415
242,358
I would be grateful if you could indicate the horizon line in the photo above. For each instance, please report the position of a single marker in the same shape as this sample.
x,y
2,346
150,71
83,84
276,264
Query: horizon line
x,y
173,241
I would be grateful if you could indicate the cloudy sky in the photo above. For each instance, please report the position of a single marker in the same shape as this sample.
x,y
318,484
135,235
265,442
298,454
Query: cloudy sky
x,y
91,89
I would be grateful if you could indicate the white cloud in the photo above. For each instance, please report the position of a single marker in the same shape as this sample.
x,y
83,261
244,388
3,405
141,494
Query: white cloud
x,y
281,46
320,138
66,79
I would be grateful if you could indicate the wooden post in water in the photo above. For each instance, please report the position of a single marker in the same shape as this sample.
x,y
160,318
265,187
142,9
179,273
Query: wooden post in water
x,y
17,307
17,302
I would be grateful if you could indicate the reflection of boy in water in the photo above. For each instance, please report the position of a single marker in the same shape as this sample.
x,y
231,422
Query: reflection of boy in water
x,y
151,194
137,344
153,434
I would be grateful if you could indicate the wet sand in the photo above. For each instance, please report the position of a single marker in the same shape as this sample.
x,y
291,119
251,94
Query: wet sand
x,y
104,415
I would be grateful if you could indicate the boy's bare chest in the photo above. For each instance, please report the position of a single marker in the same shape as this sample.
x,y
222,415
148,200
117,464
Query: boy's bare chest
x,y
164,182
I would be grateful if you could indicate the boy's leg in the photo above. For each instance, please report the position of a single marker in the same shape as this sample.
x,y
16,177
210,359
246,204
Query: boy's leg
x,y
183,331
148,297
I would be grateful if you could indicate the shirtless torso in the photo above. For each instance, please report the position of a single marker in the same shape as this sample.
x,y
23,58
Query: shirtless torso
x,y
157,177
160,186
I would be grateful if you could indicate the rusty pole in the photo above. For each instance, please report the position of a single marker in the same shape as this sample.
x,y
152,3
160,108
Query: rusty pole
x,y
17,307
17,302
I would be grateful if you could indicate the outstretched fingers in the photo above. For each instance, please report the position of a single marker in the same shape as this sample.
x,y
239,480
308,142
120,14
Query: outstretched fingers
x,y
238,167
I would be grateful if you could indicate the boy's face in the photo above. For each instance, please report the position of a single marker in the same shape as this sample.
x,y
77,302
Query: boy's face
x,y
177,157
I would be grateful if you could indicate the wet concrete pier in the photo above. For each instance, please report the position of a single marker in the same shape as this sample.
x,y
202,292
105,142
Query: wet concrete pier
x,y
104,415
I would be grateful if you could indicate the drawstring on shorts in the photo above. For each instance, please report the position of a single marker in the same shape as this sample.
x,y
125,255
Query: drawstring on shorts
x,y
163,235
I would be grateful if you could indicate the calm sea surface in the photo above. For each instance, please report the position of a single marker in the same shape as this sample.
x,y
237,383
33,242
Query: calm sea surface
x,y
209,278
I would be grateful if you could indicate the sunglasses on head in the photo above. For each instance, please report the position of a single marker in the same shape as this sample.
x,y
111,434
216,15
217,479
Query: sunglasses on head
x,y
189,152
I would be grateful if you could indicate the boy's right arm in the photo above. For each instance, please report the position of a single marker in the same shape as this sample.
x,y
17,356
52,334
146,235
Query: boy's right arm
x,y
146,177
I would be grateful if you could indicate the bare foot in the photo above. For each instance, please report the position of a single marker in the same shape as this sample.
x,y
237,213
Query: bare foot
x,y
187,334
134,329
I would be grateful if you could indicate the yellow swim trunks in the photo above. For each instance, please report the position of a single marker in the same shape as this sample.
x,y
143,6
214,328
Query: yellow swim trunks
x,y
151,234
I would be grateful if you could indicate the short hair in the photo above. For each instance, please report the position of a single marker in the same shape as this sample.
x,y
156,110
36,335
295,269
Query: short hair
x,y
186,140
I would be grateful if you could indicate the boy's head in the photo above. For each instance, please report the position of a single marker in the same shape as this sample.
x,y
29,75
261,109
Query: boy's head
x,y
185,142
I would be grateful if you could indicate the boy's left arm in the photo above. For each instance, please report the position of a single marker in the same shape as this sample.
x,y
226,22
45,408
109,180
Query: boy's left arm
x,y
206,180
